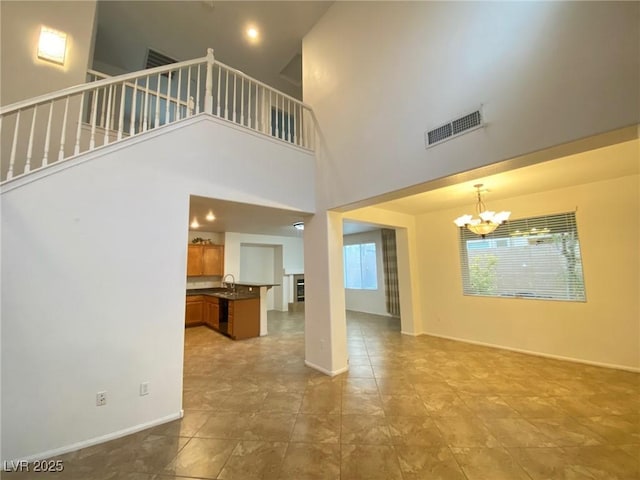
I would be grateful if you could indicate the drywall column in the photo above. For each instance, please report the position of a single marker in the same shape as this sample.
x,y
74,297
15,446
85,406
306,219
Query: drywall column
x,y
410,319
325,321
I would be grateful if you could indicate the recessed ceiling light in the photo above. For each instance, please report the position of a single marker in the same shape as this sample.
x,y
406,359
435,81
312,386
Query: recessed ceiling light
x,y
210,216
298,225
252,33
195,223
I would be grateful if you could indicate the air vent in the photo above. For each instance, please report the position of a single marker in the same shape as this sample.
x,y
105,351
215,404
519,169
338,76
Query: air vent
x,y
449,130
157,59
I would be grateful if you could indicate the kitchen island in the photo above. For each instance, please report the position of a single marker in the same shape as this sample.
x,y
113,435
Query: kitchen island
x,y
238,313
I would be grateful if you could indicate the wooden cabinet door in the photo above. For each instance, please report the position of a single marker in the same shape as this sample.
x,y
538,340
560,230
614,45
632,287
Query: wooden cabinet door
x,y
194,260
212,313
213,260
244,318
194,311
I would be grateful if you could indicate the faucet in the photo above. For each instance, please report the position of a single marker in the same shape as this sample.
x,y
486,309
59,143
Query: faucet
x,y
232,285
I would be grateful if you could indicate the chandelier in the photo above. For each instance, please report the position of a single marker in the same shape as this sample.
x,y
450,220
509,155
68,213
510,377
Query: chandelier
x,y
488,220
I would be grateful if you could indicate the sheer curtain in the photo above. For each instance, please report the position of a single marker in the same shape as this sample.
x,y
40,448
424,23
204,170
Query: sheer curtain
x,y
390,262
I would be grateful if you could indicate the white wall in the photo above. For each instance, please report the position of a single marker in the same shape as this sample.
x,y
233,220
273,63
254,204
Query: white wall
x,y
93,296
368,301
291,259
379,74
258,262
604,330
22,74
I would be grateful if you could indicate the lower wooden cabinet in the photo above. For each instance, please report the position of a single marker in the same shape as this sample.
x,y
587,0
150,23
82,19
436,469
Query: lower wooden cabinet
x,y
241,317
194,310
244,318
212,312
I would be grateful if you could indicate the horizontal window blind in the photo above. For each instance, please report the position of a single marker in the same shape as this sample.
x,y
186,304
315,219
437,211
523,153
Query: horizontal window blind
x,y
536,257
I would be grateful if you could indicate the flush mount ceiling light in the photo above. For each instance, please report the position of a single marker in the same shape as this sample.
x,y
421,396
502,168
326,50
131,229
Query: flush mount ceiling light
x,y
488,220
195,223
210,216
298,225
252,33
52,45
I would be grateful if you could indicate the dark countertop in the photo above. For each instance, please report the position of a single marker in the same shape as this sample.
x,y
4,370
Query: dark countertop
x,y
222,293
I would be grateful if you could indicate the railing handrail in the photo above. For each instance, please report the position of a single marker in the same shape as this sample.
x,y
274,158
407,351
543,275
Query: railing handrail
x,y
110,80
65,92
264,85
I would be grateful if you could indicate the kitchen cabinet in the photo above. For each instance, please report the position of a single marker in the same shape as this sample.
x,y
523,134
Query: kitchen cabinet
x,y
194,310
212,312
243,318
205,260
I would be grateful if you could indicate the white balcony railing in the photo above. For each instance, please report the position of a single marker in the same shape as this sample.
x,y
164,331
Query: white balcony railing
x,y
61,125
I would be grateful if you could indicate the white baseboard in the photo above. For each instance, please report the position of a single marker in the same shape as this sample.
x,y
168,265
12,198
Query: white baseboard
x,y
537,354
331,373
411,334
101,439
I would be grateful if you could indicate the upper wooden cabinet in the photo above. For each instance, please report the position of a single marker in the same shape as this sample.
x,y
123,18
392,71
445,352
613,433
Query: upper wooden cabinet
x,y
205,260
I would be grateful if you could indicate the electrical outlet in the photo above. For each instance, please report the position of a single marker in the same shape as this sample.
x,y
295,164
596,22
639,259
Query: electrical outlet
x,y
101,399
144,388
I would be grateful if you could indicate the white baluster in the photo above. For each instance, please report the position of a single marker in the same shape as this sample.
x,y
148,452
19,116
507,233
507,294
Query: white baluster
x,y
178,116
167,112
108,125
301,128
226,96
257,115
133,114
234,97
288,119
27,165
249,107
242,101
157,117
145,122
123,92
76,148
208,94
279,118
189,97
92,139
64,129
47,137
198,91
218,92
12,158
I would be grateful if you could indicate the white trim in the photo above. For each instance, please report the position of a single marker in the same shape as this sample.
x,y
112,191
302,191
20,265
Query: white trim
x,y
331,373
538,354
101,439
411,334
53,168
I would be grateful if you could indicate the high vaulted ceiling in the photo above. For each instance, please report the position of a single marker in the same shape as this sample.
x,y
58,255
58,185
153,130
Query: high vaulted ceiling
x,y
183,30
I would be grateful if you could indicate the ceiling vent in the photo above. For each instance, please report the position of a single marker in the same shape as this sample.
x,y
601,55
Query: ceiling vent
x,y
157,59
466,123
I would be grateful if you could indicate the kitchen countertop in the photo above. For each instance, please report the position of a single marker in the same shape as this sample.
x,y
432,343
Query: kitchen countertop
x,y
222,293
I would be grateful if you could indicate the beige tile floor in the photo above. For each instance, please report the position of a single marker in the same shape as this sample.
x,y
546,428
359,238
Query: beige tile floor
x,y
409,408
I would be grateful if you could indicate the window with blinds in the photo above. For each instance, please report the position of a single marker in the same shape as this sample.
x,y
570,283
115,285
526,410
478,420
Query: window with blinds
x,y
537,257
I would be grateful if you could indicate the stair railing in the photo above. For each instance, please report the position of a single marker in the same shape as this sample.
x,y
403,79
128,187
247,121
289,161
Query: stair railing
x,y
58,126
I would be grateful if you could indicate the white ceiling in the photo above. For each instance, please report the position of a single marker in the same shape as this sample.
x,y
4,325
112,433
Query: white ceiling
x,y
608,162
185,29
594,165
243,217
